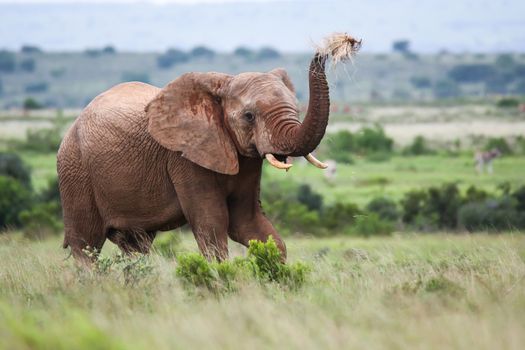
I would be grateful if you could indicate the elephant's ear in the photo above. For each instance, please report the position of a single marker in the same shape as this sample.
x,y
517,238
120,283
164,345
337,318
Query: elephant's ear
x,y
187,116
281,73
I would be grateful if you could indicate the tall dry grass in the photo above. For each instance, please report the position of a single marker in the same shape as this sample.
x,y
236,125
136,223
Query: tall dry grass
x,y
439,291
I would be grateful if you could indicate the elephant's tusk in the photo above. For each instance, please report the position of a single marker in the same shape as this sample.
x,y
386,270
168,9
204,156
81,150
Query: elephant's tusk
x,y
314,161
278,164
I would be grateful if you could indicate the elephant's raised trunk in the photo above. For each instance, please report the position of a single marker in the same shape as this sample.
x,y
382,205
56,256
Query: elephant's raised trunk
x,y
301,139
307,136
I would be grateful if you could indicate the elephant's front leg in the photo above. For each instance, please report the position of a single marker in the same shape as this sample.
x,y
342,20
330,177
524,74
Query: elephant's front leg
x,y
247,222
205,209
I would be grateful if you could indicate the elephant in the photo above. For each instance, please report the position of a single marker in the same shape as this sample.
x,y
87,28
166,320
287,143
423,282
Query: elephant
x,y
141,159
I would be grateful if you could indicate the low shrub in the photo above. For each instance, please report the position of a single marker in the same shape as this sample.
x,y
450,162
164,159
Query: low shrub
x,y
39,140
373,139
443,286
491,215
339,216
11,165
433,208
371,142
288,205
371,225
499,143
311,199
418,147
412,205
14,198
519,197
41,220
385,208
131,269
263,263
508,102
340,146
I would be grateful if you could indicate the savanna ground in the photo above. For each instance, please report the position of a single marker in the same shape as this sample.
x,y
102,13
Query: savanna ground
x,y
406,291
409,290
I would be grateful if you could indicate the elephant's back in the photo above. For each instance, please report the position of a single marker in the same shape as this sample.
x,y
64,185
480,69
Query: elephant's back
x,y
115,117
112,132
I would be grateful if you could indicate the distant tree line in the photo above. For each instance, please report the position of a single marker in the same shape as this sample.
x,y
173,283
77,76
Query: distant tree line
x,y
175,56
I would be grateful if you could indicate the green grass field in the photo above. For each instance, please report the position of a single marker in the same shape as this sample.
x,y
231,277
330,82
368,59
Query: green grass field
x,y
428,291
363,180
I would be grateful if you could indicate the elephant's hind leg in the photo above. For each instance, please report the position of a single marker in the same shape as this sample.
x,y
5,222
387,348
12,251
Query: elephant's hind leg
x,y
83,226
132,240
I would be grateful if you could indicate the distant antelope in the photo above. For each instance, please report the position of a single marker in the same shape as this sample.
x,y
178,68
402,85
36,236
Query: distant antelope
x,y
484,160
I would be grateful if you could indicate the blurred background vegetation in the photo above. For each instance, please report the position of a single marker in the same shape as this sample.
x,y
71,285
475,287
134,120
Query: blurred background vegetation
x,y
403,132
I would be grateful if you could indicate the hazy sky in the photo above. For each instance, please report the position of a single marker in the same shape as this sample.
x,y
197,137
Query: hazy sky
x,y
140,1
288,25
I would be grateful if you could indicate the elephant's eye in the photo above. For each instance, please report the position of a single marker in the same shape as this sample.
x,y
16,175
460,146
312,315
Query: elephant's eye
x,y
249,116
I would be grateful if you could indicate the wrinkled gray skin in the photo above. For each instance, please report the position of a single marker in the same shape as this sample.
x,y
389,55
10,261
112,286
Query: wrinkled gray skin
x,y
140,159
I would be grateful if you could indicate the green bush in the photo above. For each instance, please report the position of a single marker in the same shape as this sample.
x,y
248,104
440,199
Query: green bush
x,y
11,165
266,264
39,140
167,244
499,143
368,141
418,147
31,104
340,145
412,205
385,208
473,194
508,102
286,204
311,199
373,139
436,207
371,225
41,220
491,215
14,198
194,269
519,197
339,216
263,263
442,205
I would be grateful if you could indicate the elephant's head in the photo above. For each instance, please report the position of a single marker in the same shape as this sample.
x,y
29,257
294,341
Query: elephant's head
x,y
213,117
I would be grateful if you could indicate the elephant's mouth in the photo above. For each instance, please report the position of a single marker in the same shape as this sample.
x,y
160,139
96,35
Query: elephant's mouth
x,y
279,161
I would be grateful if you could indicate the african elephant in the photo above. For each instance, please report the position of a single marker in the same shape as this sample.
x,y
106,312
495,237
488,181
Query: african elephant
x,y
140,159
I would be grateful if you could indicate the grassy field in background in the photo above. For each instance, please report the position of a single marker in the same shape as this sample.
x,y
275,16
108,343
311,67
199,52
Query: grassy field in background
x,y
427,291
364,180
